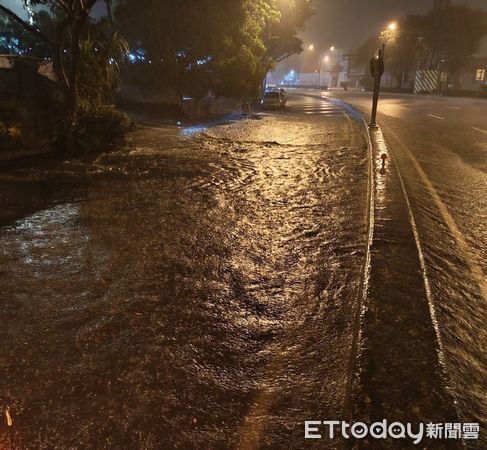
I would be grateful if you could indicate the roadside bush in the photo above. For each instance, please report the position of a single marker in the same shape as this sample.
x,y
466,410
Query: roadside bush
x,y
97,129
9,137
12,114
11,111
4,137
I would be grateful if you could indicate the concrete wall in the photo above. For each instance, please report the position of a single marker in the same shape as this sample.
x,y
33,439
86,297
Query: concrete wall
x,y
210,106
23,81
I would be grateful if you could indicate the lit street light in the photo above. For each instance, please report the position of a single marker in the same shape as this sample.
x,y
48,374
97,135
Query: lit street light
x,y
389,35
325,60
311,47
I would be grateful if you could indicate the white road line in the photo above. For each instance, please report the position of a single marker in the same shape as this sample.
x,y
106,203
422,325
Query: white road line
x,y
479,129
452,107
436,117
461,241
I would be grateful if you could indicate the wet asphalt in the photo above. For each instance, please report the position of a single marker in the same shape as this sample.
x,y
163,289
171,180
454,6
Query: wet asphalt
x,y
195,289
440,144
203,287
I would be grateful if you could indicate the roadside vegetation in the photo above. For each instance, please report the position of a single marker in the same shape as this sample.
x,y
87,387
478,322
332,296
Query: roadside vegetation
x,y
443,40
184,48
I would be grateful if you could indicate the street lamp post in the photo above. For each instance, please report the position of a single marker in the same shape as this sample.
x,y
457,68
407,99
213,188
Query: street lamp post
x,y
377,70
319,75
334,54
326,59
388,37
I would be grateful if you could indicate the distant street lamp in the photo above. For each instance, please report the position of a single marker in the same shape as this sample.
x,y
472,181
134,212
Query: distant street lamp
x,y
389,38
390,34
326,59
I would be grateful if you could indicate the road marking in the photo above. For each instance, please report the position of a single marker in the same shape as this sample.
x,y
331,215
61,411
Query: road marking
x,y
479,129
436,117
476,271
452,107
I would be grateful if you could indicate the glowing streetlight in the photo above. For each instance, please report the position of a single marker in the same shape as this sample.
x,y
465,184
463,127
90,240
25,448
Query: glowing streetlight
x,y
392,26
332,48
311,47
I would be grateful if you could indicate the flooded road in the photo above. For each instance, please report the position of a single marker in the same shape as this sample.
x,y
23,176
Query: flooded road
x,y
194,290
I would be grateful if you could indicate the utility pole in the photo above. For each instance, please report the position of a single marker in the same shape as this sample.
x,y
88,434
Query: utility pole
x,y
319,76
377,70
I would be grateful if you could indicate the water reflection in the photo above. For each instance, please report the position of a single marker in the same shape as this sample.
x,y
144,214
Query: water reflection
x,y
153,301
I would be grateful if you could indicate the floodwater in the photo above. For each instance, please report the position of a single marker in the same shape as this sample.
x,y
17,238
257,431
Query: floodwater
x,y
194,290
199,288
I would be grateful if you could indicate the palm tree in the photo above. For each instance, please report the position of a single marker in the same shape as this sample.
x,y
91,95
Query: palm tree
x,y
100,61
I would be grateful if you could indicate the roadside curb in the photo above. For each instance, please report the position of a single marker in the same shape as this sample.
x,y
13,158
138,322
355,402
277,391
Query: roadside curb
x,y
397,369
398,327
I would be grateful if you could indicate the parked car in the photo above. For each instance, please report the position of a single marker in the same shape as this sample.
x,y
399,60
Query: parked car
x,y
284,96
273,100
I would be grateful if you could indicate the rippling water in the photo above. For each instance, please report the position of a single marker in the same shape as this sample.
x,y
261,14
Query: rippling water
x,y
188,292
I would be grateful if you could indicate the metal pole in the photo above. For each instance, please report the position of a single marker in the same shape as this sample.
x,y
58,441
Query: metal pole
x,y
377,69
375,101
319,76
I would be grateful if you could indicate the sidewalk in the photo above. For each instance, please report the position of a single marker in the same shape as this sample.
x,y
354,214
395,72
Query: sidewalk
x,y
400,362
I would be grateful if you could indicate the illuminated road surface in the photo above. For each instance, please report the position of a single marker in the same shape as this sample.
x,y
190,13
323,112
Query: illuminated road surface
x,y
194,291
440,145
200,288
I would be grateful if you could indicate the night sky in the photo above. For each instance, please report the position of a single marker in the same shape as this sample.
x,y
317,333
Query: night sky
x,y
343,23
347,23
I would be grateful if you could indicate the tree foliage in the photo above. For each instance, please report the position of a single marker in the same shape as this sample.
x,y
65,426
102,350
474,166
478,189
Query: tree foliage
x,y
102,53
70,19
442,39
18,36
223,45
293,15
191,46
453,35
